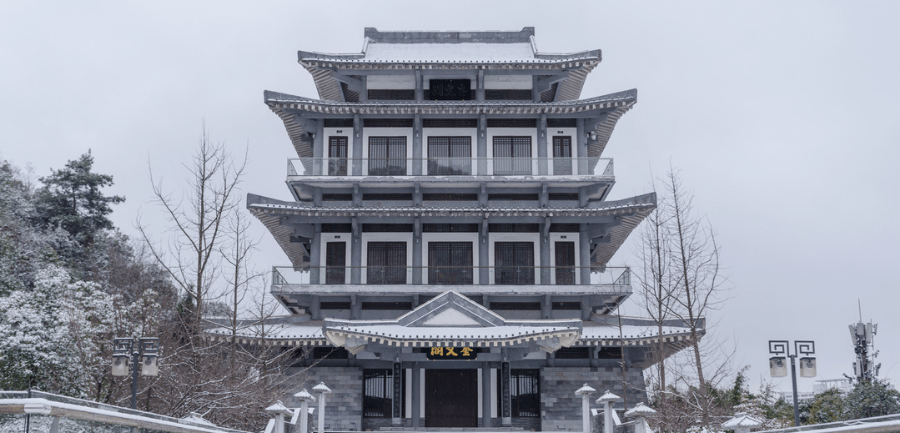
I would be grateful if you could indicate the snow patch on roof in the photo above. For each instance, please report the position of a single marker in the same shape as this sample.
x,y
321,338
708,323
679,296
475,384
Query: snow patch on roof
x,y
475,52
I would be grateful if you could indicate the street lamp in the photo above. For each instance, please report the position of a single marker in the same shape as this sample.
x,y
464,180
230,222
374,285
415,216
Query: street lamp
x,y
777,367
147,349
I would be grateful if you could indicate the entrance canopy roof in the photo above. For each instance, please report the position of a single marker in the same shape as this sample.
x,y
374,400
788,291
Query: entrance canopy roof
x,y
451,319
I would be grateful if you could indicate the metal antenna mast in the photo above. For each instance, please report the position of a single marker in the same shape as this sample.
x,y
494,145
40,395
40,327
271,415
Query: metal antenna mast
x,y
863,336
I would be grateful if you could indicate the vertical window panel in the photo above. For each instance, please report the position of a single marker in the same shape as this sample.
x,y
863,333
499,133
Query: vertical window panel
x,y
337,156
565,263
512,155
562,155
450,263
449,156
514,263
335,262
387,156
386,263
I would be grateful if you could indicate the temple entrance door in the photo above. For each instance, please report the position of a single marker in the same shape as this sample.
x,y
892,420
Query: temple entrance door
x,y
451,398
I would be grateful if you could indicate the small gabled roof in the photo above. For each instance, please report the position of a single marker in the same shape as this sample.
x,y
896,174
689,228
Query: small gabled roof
x,y
451,309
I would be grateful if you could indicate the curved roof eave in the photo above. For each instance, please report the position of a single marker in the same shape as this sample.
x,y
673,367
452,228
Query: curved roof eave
x,y
629,213
613,105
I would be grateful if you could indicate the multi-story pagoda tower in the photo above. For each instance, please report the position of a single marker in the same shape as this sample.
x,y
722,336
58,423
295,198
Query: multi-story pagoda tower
x,y
450,233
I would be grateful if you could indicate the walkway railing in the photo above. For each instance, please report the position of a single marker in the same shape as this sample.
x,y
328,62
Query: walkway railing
x,y
615,279
878,424
35,411
451,166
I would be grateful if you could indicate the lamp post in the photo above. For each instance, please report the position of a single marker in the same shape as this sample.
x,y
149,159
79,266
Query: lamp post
x,y
777,367
147,349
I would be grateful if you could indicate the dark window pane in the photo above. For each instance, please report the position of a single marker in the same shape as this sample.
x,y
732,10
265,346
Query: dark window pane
x,y
378,393
450,263
514,263
562,155
386,263
449,90
387,156
524,393
572,353
449,156
330,353
335,262
337,156
512,155
565,262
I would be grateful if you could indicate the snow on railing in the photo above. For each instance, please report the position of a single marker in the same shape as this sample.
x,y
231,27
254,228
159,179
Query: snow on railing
x,y
451,166
41,411
878,424
611,280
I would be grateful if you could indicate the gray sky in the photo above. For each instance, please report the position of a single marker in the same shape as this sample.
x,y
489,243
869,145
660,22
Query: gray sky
x,y
781,116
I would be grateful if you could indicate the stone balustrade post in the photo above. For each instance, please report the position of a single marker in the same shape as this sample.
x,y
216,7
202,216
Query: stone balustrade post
x,y
322,390
585,393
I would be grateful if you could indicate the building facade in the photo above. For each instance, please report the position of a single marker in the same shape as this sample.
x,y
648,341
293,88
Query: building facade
x,y
450,232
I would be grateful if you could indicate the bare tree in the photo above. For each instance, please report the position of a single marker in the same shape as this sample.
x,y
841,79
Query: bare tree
x,y
698,282
656,283
241,275
207,256
198,220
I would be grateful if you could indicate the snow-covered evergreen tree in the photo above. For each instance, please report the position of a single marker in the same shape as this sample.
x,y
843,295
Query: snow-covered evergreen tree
x,y
35,342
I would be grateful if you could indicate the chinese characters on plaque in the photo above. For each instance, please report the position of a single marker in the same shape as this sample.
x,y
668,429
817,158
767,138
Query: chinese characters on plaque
x,y
444,353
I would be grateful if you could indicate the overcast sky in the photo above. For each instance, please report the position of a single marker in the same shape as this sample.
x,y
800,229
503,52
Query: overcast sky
x,y
782,117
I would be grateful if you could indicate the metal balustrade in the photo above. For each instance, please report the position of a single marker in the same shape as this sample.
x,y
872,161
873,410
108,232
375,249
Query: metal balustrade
x,y
38,411
451,166
614,279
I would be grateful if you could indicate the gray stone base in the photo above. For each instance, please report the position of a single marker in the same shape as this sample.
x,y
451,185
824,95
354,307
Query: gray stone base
x,y
343,408
561,408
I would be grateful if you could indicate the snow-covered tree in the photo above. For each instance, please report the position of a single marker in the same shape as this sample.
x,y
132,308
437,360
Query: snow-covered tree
x,y
870,399
35,343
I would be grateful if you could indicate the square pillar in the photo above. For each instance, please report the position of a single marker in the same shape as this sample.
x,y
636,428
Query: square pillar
x,y
357,151
486,399
416,396
506,403
397,400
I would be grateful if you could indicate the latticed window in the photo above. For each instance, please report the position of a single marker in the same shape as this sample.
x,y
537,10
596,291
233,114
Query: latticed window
x,y
512,155
524,393
386,263
450,263
449,156
562,155
514,262
378,393
337,156
387,156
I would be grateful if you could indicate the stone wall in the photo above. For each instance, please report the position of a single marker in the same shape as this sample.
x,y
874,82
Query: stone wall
x,y
561,408
343,408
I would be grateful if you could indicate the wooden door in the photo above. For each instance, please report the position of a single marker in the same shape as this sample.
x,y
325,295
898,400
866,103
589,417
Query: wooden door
x,y
565,262
451,398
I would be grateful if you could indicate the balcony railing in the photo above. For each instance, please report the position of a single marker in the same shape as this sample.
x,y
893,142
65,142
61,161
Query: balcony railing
x,y
450,166
451,275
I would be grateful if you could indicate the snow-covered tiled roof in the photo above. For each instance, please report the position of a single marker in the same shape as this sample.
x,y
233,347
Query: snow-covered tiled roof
x,y
631,211
451,319
274,334
608,109
457,50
